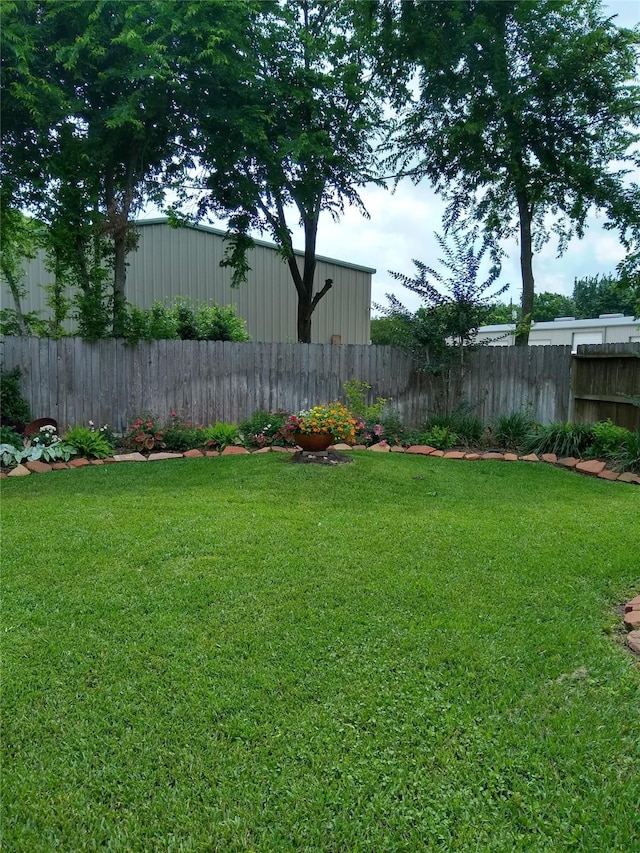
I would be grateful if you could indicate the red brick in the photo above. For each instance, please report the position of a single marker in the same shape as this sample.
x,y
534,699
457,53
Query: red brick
x,y
110,461
277,449
511,457
192,454
437,453
593,466
59,466
491,455
454,454
633,604
78,463
421,449
262,450
379,448
531,457
472,456
397,448
233,450
549,457
3,475
38,467
568,461
97,461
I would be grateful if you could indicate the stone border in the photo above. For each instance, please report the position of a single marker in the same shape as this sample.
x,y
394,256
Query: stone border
x,y
592,467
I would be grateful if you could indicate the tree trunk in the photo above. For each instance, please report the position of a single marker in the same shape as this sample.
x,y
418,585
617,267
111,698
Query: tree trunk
x,y
119,282
14,287
526,267
307,301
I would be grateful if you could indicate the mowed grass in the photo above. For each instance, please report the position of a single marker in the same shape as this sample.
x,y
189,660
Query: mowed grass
x,y
242,654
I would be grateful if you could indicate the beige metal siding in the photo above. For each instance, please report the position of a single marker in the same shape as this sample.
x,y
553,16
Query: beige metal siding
x,y
186,262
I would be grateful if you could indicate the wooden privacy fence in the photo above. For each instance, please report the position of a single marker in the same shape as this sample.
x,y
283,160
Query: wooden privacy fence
x,y
605,383
111,382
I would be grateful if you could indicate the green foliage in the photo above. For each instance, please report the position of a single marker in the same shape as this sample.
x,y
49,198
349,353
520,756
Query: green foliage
x,y
394,330
221,435
497,127
9,436
439,437
456,304
513,430
356,393
183,319
179,435
628,455
563,439
464,425
264,428
594,295
14,409
608,439
89,443
310,112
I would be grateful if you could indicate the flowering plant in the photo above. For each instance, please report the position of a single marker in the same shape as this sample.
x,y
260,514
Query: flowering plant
x,y
145,434
328,419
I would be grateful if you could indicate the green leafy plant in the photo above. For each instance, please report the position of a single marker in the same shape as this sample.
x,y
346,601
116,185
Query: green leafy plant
x,y
563,439
179,435
439,437
14,409
264,428
467,427
220,435
356,392
608,439
10,436
513,430
628,455
89,443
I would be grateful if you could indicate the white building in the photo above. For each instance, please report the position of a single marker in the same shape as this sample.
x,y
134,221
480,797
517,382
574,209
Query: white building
x,y
567,331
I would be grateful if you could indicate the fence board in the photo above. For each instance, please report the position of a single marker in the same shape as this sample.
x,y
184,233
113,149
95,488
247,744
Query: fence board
x,y
205,381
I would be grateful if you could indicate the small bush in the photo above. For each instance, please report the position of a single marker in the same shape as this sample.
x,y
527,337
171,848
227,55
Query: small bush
x,y
220,435
145,433
264,428
512,430
439,437
14,409
608,439
179,435
9,436
356,392
89,443
628,455
467,428
563,439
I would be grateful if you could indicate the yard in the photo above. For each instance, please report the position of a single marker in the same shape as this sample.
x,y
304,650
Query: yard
x,y
240,654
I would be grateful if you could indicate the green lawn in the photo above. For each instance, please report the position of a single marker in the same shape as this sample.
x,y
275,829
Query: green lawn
x,y
241,654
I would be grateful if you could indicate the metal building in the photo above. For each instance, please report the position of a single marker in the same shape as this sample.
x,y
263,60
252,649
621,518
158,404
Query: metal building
x,y
567,331
185,261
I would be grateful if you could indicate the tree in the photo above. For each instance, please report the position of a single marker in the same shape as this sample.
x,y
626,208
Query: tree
x,y
525,111
456,304
593,296
308,111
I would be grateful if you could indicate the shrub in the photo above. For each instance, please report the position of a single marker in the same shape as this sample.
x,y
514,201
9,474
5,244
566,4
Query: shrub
x,y
89,443
179,435
439,437
563,439
14,409
264,428
220,435
467,428
9,436
608,439
628,456
513,430
186,320
356,392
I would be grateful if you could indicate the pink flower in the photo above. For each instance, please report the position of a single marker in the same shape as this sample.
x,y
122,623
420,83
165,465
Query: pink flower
x,y
173,415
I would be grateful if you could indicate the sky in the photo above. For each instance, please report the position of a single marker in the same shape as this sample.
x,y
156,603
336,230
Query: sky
x,y
403,223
